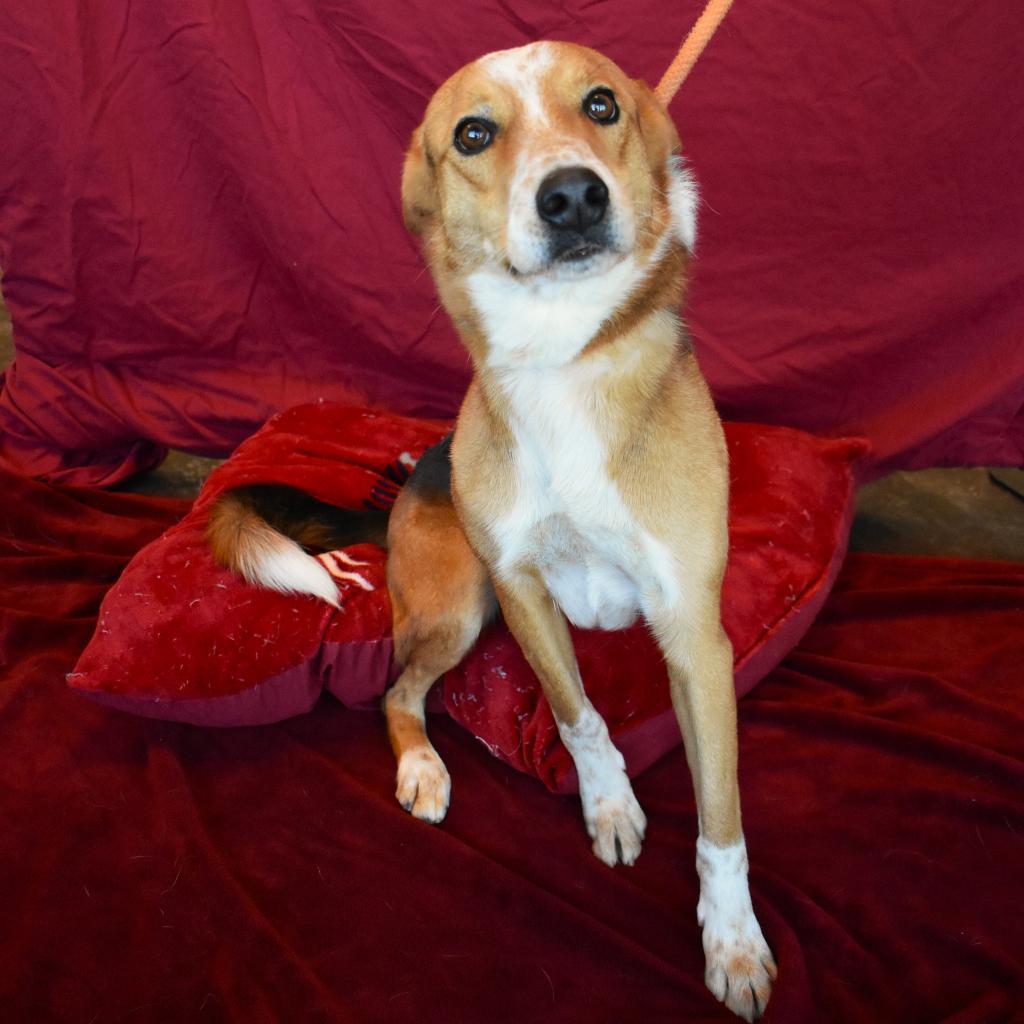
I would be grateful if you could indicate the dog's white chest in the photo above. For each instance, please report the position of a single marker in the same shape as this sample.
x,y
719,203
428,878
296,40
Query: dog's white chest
x,y
588,572
568,518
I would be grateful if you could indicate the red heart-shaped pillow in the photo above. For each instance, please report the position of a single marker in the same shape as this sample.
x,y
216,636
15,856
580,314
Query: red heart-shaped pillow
x,y
180,638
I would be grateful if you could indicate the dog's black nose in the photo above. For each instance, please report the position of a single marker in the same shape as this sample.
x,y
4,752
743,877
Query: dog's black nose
x,y
572,198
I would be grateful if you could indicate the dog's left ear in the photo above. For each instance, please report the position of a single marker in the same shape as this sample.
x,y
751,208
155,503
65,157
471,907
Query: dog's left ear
x,y
664,156
657,128
419,188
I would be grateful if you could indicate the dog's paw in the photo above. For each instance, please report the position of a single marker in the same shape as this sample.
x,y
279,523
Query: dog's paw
x,y
616,823
614,819
424,786
740,970
739,966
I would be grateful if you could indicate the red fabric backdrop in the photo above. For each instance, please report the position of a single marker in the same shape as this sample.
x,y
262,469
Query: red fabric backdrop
x,y
199,217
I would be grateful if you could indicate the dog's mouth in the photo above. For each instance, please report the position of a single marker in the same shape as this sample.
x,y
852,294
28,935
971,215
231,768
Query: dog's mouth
x,y
581,251
580,259
576,245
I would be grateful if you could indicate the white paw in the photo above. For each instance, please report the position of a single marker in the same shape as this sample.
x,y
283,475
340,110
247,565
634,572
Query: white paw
x,y
424,785
614,818
739,966
616,823
739,970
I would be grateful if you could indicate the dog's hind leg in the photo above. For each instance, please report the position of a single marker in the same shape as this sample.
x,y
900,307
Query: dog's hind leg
x,y
423,785
441,597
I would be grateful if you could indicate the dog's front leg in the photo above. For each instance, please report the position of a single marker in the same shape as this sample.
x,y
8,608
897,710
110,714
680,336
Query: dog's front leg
x,y
613,817
739,967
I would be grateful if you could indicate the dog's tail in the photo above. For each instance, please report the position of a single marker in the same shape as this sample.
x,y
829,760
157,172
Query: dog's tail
x,y
264,533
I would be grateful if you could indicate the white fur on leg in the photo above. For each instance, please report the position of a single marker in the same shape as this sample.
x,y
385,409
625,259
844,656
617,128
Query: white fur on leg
x,y
613,817
739,965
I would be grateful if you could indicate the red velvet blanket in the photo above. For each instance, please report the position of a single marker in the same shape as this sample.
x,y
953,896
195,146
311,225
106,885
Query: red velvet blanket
x,y
159,872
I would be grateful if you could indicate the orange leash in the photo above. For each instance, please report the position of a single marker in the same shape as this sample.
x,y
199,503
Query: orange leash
x,y
692,48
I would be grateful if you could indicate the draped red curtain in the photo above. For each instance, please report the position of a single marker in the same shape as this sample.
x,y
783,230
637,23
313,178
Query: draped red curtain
x,y
199,219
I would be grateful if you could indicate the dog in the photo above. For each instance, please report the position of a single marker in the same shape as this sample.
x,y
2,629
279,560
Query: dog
x,y
586,479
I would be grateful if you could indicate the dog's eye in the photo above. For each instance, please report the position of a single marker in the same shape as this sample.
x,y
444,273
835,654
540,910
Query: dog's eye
x,y
473,134
600,106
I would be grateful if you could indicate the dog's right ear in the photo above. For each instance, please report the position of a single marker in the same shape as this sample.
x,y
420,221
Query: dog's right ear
x,y
419,187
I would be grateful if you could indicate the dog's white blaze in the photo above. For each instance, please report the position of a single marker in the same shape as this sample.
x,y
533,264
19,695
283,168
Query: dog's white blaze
x,y
725,912
568,517
522,70
683,197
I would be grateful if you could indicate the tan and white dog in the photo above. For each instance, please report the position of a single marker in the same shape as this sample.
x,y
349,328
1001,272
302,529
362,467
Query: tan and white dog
x,y
587,476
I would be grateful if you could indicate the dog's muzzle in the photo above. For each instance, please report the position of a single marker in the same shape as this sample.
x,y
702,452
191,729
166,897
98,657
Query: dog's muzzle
x,y
572,202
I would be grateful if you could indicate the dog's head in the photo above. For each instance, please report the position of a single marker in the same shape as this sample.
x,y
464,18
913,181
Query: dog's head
x,y
549,162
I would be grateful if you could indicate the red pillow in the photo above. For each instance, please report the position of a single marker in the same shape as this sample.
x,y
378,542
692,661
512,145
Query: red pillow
x,y
180,638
